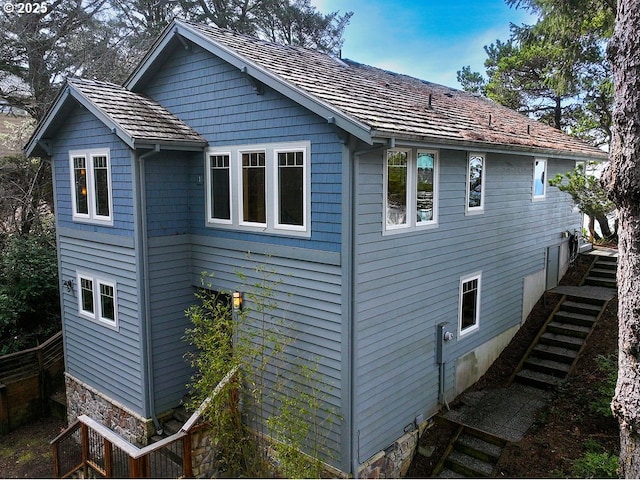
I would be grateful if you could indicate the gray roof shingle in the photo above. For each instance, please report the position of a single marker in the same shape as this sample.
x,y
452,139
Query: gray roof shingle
x,y
138,116
395,105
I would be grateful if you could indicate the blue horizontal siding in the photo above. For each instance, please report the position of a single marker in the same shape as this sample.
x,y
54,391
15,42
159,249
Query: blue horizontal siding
x,y
219,102
407,283
106,359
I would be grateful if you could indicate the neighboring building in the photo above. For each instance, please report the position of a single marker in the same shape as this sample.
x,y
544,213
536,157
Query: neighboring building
x,y
387,205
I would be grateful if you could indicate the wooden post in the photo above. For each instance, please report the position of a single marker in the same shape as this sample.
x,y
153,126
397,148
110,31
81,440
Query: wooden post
x,y
56,461
4,410
187,470
84,439
108,449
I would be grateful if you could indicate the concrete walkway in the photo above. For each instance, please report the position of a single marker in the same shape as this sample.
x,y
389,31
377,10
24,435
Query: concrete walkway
x,y
509,412
504,412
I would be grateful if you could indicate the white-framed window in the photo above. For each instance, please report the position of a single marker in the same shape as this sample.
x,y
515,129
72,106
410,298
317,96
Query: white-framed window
x,y
97,299
469,303
539,178
219,187
476,172
91,190
410,189
262,188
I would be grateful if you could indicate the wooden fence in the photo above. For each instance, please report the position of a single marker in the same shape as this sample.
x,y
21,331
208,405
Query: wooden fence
x,y
27,380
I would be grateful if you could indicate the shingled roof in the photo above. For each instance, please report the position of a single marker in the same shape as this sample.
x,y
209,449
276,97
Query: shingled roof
x,y
139,116
388,104
136,119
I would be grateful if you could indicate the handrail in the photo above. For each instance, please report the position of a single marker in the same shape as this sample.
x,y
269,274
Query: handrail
x,y
133,452
44,344
198,413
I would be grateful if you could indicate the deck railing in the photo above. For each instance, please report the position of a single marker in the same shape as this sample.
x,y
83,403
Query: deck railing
x,y
89,447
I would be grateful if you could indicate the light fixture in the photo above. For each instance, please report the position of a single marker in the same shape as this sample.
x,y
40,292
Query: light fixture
x,y
69,285
237,301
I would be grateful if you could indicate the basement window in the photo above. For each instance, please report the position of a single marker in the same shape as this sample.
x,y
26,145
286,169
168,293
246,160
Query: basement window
x,y
469,304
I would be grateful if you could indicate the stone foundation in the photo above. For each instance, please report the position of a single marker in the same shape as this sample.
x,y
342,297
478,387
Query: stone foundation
x,y
395,460
85,400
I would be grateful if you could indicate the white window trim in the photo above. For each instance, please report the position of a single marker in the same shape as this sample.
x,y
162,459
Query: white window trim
x,y
241,221
412,183
305,189
544,181
475,210
464,279
92,216
271,226
96,315
407,224
210,217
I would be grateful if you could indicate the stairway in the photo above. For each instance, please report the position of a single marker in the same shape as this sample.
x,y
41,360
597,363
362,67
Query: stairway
x,y
471,453
552,356
603,272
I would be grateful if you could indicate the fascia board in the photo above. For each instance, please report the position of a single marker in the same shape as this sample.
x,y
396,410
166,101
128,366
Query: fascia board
x,y
103,117
330,113
44,125
413,141
150,58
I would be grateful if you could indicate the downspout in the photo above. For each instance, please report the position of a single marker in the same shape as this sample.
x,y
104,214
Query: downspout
x,y
143,251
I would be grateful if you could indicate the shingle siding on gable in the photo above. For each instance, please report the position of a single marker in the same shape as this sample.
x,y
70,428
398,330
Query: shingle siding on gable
x,y
83,131
220,103
408,283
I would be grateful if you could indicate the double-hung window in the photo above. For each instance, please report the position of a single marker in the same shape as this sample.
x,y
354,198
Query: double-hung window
x,y
476,171
469,304
97,299
91,189
262,188
539,178
411,189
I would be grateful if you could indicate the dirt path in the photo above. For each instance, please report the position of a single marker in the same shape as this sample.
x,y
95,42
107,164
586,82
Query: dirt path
x,y
26,453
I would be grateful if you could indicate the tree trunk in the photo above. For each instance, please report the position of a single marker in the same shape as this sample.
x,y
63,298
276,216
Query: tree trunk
x,y
622,180
603,221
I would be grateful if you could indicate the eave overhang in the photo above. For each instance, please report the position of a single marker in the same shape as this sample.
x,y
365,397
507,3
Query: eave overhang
x,y
263,76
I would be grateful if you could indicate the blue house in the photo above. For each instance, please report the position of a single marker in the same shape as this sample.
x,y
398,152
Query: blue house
x,y
396,213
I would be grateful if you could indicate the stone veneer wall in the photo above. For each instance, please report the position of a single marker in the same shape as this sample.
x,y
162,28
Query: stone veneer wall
x,y
395,460
85,400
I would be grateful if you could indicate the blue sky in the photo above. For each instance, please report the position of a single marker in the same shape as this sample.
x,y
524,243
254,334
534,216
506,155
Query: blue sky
x,y
427,39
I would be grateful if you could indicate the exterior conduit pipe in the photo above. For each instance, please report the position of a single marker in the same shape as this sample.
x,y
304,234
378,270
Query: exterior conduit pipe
x,y
144,249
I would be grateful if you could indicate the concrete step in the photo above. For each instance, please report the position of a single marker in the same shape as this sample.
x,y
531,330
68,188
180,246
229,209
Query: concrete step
x,y
478,448
446,473
607,262
581,307
568,329
562,341
537,379
600,282
550,367
602,271
172,426
551,352
590,301
573,318
467,465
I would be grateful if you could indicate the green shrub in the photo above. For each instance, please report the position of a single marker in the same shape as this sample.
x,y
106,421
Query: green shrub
x,y
608,371
596,465
29,294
